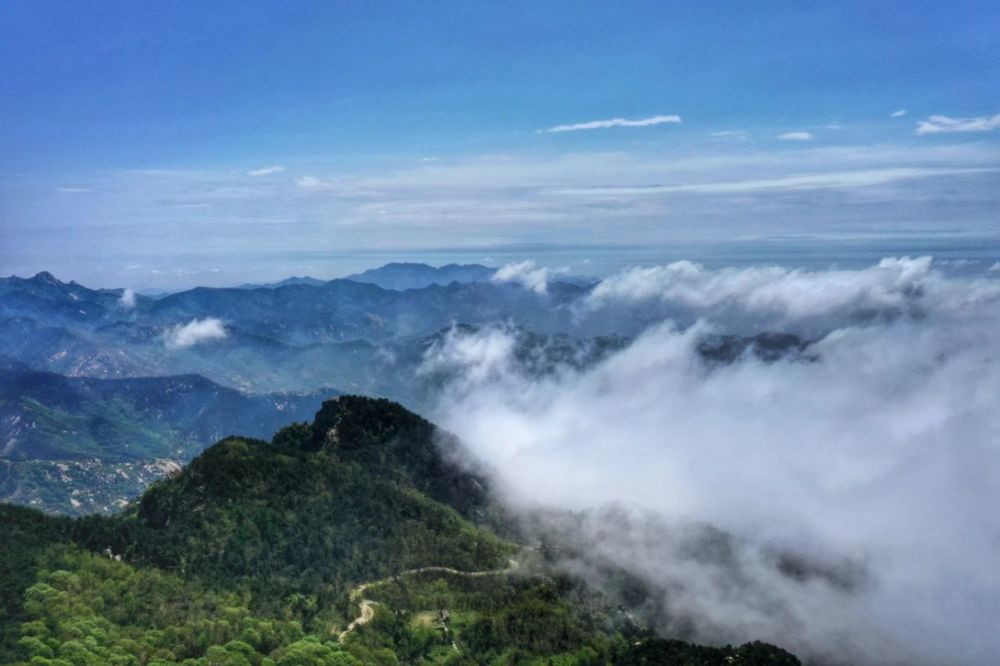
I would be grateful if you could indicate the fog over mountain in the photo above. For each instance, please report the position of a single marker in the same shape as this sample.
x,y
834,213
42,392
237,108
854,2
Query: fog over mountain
x,y
858,478
806,457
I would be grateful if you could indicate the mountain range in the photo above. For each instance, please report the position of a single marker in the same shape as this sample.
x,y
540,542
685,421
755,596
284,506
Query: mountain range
x,y
104,390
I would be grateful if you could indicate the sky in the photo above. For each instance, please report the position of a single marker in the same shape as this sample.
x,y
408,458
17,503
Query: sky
x,y
170,144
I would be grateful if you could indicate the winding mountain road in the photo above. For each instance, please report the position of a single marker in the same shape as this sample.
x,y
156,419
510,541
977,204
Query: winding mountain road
x,y
367,606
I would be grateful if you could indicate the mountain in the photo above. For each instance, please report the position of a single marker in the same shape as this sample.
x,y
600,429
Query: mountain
x,y
402,276
767,347
305,279
45,297
353,539
76,445
294,337
294,314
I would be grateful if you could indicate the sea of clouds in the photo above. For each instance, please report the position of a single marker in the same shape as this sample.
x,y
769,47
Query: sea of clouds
x,y
872,458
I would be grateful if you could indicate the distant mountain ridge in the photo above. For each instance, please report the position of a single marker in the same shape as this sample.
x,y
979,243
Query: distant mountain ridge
x,y
305,279
267,337
354,336
401,276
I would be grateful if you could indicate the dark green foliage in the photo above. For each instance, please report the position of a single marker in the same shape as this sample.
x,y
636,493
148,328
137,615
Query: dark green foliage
x,y
24,535
93,609
290,517
295,437
656,651
396,443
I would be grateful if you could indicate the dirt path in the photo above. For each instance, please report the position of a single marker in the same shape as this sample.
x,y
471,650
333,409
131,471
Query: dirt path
x,y
367,606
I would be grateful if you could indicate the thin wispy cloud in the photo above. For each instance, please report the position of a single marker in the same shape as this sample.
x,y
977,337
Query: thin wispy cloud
x,y
615,122
796,136
309,182
73,190
266,171
815,181
607,196
898,114
940,124
730,135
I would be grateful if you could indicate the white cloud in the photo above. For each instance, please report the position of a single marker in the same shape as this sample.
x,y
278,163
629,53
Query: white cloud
x,y
878,452
266,171
995,267
196,331
938,124
740,136
790,293
470,358
127,299
526,274
898,113
776,298
73,190
796,136
309,182
615,122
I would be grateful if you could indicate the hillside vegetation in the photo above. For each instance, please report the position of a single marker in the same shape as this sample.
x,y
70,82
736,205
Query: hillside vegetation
x,y
254,554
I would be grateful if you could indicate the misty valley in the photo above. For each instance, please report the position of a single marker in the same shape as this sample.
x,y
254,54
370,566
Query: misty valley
x,y
467,464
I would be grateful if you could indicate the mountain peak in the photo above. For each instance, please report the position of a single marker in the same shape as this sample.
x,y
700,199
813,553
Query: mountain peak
x,y
354,422
45,276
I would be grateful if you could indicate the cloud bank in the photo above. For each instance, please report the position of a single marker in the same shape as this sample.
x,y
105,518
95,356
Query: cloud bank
x,y
875,454
615,122
195,332
781,297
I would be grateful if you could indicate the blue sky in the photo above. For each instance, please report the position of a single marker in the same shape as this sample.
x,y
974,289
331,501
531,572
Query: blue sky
x,y
198,132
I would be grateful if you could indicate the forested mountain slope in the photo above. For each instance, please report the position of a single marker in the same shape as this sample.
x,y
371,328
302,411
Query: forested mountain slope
x,y
249,556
